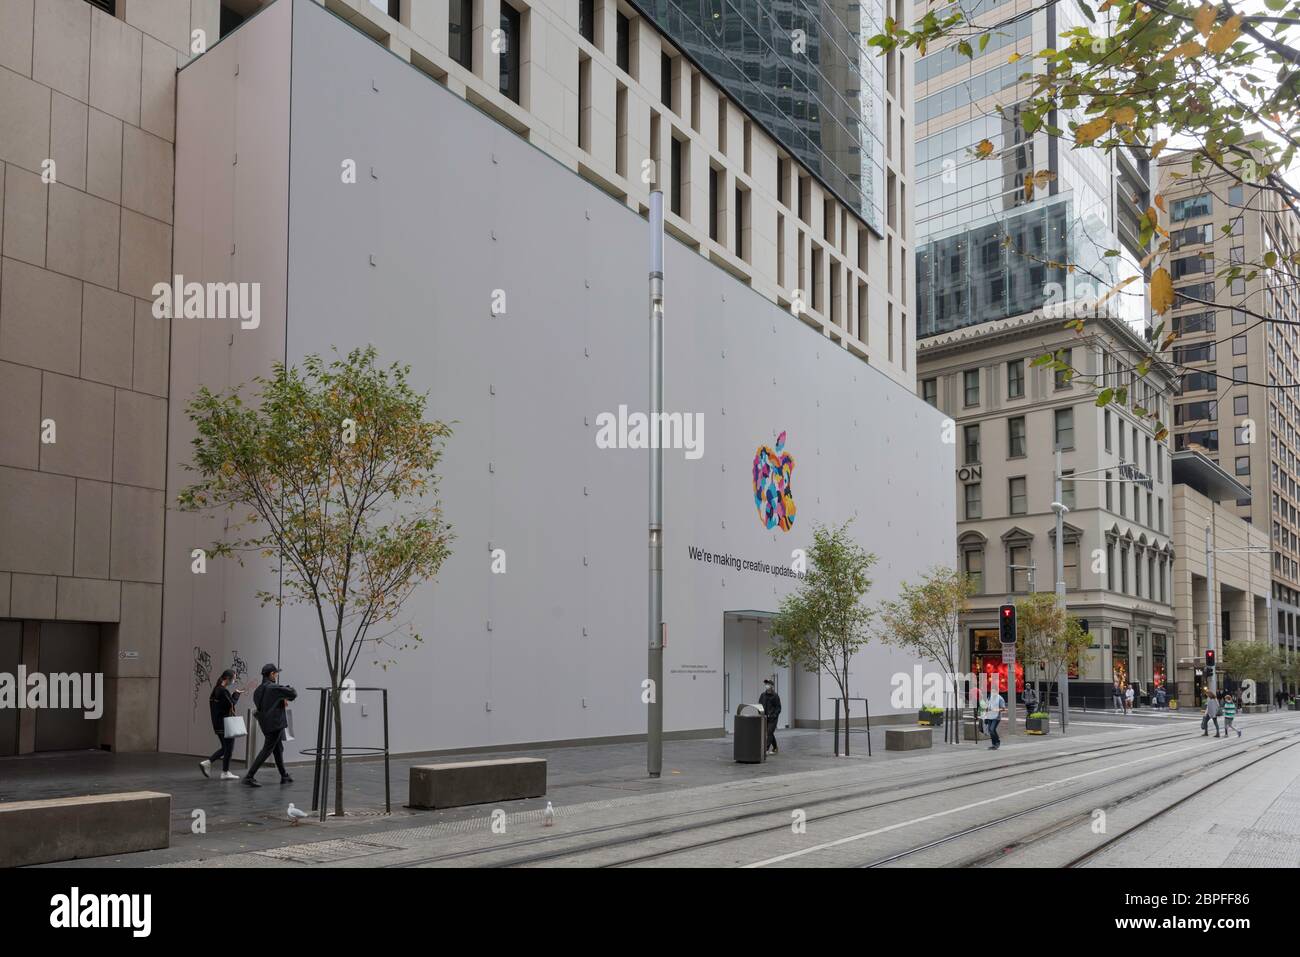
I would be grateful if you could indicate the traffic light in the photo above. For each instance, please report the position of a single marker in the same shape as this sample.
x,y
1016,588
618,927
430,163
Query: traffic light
x,y
1209,663
1007,624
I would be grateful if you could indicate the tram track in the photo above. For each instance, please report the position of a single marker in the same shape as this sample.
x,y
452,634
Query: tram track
x,y
1081,818
785,804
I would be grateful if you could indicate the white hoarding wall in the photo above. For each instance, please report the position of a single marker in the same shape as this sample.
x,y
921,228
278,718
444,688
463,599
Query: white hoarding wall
x,y
454,214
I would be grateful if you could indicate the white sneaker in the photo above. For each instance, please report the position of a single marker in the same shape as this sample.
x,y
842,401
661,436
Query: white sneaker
x,y
206,768
229,776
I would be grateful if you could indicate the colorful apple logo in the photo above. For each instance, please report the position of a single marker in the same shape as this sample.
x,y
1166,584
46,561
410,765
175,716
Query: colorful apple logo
x,y
773,495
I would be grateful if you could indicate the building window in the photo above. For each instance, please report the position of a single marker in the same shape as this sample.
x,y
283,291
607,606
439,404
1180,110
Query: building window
x,y
1109,504
930,391
1238,289
1070,561
460,32
1110,566
1064,428
1016,444
973,566
1063,376
230,18
676,163
1123,570
974,501
108,6
1018,568
512,39
1067,489
972,436
1240,405
742,202
715,201
1242,464
623,48
1016,379
586,19
1106,420
1239,374
391,7
666,79
1238,342
971,381
1160,514
1018,495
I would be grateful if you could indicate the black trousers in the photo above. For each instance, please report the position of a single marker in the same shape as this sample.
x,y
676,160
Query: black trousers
x,y
771,733
224,752
274,746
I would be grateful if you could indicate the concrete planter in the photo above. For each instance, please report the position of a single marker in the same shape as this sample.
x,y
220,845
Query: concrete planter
x,y
930,719
1038,725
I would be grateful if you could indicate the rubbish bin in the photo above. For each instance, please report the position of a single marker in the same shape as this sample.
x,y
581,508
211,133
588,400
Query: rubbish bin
x,y
750,735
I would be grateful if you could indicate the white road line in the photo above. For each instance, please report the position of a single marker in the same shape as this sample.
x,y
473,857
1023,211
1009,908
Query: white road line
x,y
954,810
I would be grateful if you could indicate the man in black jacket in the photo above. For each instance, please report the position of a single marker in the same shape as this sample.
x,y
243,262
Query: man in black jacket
x,y
770,702
272,699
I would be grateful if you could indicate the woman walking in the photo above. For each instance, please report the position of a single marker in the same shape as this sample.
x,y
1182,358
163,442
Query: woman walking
x,y
222,703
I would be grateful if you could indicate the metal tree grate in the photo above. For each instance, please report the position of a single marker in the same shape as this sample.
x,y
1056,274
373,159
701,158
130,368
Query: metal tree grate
x,y
325,852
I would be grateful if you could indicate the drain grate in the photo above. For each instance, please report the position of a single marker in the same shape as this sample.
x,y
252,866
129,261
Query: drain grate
x,y
325,852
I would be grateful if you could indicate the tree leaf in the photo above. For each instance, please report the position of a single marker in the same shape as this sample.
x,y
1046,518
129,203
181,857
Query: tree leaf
x,y
1224,36
1162,291
1204,20
1085,135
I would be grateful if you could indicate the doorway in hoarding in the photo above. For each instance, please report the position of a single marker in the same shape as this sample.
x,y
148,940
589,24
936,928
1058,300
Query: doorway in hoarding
x,y
746,642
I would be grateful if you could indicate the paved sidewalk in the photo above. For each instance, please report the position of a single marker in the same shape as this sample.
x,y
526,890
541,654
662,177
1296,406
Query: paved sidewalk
x,y
239,820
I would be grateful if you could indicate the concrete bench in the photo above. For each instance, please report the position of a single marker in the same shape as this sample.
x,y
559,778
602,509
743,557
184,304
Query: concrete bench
x,y
70,828
477,782
908,739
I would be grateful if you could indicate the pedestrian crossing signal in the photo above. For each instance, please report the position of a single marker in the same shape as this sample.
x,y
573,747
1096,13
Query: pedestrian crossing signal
x,y
1209,663
1007,624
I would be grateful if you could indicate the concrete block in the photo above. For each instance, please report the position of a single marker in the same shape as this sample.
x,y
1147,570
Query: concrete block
x,y
908,739
36,521
107,335
88,599
40,318
140,440
137,552
115,60
152,341
73,828
61,47
33,596
477,782
25,202
158,88
148,170
24,121
104,156
83,416
83,236
16,18
20,422
94,524
68,123
146,254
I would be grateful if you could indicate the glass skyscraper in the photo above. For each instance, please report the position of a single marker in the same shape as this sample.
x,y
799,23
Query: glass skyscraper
x,y
989,246
803,70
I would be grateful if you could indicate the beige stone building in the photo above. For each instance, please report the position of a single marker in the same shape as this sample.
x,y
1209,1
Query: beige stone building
x,y
1205,497
1008,420
87,129
1232,403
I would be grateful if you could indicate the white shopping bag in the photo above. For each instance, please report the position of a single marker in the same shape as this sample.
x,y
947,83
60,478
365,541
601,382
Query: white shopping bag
x,y
288,731
234,727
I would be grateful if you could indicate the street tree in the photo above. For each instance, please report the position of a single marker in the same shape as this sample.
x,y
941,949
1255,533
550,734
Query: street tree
x,y
330,475
1246,660
824,622
925,621
1049,637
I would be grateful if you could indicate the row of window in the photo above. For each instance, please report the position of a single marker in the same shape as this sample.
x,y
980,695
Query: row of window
x,y
1015,370
1017,436
1121,558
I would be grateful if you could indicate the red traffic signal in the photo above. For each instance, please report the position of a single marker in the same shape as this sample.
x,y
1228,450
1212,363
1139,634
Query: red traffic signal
x,y
1007,624
1209,660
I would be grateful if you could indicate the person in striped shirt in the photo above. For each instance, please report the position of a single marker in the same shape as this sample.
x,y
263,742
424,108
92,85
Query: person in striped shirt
x,y
1229,713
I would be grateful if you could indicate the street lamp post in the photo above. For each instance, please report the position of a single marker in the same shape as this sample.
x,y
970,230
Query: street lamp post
x,y
1058,506
655,714
1213,676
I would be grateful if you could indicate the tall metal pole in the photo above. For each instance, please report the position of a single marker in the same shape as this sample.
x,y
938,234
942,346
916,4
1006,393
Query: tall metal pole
x,y
1213,676
1063,682
655,716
